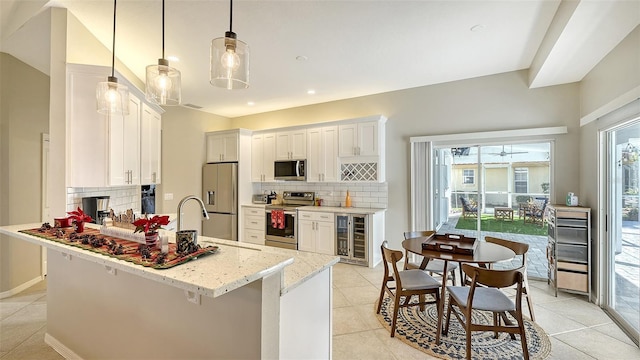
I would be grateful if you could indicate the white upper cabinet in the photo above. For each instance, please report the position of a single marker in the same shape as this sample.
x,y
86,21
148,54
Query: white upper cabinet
x,y
362,149
291,145
124,146
349,150
359,139
105,150
322,154
222,146
263,154
87,130
150,146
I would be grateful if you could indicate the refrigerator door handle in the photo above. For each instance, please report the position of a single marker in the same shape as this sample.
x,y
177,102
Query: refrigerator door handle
x,y
211,197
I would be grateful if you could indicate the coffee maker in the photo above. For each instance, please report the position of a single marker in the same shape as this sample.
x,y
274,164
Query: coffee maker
x,y
97,207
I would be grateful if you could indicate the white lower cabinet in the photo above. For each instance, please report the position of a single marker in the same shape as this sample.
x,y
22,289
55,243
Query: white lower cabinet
x,y
253,220
316,232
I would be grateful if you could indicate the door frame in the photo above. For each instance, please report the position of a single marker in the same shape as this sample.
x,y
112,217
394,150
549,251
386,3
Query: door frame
x,y
420,203
608,221
44,201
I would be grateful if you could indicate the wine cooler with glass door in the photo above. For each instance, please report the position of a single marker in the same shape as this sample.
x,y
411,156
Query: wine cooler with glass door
x,y
352,238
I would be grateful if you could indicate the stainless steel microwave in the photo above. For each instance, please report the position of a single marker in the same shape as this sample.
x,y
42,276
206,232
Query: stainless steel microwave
x,y
290,170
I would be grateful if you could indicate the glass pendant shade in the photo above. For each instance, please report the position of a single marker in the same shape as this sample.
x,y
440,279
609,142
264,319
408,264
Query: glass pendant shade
x,y
229,62
112,98
163,84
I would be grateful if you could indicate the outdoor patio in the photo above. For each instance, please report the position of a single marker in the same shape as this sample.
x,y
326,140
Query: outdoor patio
x,y
536,257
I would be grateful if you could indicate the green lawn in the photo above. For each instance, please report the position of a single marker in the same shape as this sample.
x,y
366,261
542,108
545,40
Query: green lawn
x,y
489,223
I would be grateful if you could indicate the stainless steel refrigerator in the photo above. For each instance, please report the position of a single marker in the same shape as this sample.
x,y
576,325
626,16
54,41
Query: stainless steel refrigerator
x,y
220,196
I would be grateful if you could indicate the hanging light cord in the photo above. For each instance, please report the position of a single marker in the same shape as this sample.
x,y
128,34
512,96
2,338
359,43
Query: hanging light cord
x,y
230,15
113,45
163,29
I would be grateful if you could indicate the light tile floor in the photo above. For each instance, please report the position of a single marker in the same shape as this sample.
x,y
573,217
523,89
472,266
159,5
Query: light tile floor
x,y
578,329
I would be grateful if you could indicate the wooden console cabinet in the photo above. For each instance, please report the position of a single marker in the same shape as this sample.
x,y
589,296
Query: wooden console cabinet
x,y
569,249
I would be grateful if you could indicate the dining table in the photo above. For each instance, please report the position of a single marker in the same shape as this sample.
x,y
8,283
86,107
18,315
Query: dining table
x,y
484,253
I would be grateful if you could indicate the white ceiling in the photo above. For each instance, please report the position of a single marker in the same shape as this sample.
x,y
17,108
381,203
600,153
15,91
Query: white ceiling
x,y
353,48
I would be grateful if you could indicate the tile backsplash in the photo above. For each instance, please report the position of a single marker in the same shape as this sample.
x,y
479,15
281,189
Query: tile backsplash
x,y
120,198
365,195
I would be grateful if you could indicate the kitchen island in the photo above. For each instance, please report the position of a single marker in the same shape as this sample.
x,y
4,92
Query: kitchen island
x,y
243,302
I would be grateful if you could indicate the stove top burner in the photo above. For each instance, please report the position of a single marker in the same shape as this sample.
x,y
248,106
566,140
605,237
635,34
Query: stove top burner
x,y
293,200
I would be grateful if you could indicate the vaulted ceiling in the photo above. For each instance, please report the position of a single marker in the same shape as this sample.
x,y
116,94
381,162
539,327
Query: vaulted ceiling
x,y
344,49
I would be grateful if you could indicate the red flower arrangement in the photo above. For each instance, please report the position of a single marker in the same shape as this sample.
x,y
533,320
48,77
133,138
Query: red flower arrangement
x,y
79,216
150,226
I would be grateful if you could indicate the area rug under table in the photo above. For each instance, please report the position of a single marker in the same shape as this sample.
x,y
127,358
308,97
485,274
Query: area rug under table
x,y
418,329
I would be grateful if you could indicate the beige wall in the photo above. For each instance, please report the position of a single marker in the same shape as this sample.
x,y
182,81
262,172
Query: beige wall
x,y
497,102
610,81
24,117
183,154
614,81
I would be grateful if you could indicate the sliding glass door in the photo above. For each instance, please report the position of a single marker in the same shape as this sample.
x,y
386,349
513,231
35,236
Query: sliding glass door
x,y
489,189
622,250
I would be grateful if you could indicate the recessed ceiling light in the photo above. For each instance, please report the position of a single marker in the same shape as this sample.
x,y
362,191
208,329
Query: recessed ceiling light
x,y
250,103
311,92
173,58
302,58
477,28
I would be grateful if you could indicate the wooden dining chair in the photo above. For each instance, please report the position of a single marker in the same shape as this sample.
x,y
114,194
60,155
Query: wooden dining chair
x,y
407,283
520,249
434,265
484,294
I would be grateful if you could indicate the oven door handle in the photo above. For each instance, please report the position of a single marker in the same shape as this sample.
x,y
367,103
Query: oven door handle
x,y
292,213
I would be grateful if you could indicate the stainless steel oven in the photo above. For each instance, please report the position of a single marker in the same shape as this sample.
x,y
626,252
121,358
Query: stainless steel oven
x,y
281,228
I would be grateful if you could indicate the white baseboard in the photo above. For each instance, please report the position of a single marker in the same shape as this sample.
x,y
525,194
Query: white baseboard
x,y
21,287
60,348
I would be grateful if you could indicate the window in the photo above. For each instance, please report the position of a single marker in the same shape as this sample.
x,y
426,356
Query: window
x,y
468,176
521,180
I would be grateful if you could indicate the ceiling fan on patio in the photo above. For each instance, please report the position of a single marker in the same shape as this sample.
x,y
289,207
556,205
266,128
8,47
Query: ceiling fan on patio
x,y
511,152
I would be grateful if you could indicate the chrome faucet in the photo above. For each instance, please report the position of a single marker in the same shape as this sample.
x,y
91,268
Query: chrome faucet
x,y
184,200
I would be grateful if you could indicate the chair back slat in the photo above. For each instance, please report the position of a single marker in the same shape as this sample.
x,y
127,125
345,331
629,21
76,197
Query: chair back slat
x,y
492,277
517,247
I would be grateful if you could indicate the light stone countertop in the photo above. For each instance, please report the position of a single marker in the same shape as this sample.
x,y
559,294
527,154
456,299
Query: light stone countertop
x,y
341,210
331,209
259,206
234,265
305,264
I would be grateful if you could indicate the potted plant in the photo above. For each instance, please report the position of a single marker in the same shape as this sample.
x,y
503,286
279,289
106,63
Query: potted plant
x,y
150,228
79,218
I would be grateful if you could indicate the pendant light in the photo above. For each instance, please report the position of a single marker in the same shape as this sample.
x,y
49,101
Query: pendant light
x,y
163,81
229,59
112,98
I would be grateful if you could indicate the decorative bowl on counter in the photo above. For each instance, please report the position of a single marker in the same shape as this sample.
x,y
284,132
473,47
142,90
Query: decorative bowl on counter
x,y
64,222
